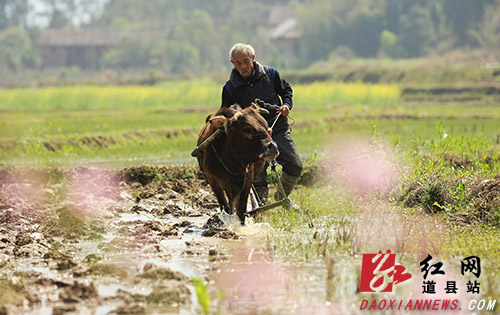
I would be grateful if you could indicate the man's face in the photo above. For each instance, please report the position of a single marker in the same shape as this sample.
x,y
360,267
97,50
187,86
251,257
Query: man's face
x,y
243,64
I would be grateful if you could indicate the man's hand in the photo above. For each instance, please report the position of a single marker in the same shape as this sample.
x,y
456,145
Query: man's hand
x,y
284,110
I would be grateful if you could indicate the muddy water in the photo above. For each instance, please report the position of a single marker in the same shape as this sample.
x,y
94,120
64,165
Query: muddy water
x,y
87,240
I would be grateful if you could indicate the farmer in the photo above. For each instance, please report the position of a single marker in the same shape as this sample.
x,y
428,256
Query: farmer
x,y
249,81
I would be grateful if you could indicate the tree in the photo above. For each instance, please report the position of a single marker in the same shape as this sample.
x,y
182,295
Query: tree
x,y
132,54
364,32
13,13
198,29
69,13
183,57
58,20
462,15
416,32
16,50
388,45
323,27
487,33
139,13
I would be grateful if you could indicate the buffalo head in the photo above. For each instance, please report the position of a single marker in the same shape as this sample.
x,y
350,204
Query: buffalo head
x,y
247,132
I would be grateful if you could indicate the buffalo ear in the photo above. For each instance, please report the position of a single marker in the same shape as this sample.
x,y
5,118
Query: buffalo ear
x,y
236,107
263,111
209,117
259,109
218,121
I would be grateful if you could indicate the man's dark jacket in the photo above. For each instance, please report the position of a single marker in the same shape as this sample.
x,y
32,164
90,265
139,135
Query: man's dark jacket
x,y
266,84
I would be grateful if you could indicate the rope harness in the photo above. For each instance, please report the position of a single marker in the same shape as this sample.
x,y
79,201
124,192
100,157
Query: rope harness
x,y
263,104
270,129
224,164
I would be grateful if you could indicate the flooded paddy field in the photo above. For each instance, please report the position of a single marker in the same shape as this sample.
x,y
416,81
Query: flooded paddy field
x,y
132,241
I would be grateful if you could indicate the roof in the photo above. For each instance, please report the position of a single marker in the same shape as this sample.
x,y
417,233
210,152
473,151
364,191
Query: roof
x,y
94,37
289,29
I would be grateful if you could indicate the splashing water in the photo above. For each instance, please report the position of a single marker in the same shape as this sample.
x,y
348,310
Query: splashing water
x,y
232,223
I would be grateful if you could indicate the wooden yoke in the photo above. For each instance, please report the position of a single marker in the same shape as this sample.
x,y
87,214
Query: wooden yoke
x,y
199,149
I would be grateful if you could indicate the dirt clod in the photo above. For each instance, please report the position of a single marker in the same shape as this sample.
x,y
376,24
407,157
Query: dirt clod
x,y
170,292
65,264
151,271
63,309
215,222
130,309
78,291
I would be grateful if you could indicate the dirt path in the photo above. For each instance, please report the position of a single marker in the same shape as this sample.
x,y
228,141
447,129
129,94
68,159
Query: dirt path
x,y
88,240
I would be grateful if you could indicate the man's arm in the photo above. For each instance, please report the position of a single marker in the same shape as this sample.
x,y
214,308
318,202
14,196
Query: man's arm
x,y
283,89
227,97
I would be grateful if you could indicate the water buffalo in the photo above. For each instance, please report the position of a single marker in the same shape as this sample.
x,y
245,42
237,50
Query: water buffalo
x,y
232,160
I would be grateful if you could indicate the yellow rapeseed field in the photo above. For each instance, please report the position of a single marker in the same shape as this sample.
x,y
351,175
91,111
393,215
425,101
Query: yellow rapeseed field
x,y
199,93
322,93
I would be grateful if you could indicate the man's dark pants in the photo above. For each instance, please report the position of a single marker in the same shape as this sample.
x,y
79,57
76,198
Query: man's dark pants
x,y
288,158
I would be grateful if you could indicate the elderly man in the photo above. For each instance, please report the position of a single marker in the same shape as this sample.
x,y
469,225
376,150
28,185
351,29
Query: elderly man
x,y
249,80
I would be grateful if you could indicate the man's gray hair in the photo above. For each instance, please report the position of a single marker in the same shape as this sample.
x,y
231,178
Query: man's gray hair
x,y
241,48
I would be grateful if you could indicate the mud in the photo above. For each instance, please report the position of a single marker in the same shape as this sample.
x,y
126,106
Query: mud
x,y
88,240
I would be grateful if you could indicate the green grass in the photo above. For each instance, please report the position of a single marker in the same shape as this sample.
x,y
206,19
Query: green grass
x,y
135,120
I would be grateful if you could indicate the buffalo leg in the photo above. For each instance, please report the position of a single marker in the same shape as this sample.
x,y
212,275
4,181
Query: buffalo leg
x,y
219,194
231,204
241,208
